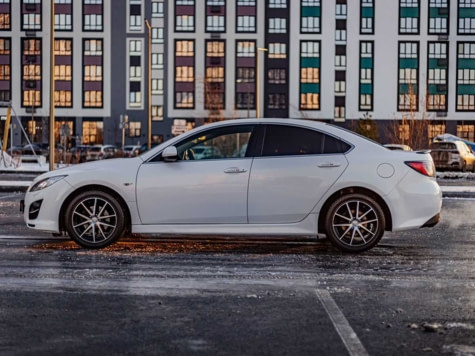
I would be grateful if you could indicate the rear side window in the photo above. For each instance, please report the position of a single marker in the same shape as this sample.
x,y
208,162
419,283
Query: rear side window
x,y
444,146
281,140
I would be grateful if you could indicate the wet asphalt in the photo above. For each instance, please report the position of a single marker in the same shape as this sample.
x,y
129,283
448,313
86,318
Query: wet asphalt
x,y
414,294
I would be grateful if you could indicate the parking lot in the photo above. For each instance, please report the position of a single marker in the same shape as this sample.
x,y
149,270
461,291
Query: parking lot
x,y
412,294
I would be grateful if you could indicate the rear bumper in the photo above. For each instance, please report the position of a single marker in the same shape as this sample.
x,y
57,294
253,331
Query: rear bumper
x,y
432,221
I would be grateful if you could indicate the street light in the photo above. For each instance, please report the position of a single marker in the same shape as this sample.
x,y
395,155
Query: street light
x,y
51,94
149,90
258,82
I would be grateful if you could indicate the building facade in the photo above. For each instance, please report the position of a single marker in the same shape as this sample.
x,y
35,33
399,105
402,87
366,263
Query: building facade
x,y
122,65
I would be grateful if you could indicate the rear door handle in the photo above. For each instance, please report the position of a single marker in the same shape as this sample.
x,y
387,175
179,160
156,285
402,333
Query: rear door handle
x,y
235,170
328,165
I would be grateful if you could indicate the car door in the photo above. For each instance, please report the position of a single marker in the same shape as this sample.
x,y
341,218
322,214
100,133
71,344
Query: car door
x,y
297,167
209,190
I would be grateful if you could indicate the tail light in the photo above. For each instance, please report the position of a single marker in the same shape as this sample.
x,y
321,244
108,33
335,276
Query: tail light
x,y
426,168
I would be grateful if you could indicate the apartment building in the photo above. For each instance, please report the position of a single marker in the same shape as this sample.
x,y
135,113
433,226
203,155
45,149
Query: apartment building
x,y
176,64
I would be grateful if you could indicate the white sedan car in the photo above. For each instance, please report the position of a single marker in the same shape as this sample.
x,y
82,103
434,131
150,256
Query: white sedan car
x,y
297,177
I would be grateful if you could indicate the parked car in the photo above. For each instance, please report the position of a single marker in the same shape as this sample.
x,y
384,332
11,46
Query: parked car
x,y
298,177
144,146
14,150
397,147
206,152
79,153
452,155
30,152
101,152
131,150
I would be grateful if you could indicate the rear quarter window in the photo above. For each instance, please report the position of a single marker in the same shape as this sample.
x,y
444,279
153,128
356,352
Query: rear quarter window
x,y
282,140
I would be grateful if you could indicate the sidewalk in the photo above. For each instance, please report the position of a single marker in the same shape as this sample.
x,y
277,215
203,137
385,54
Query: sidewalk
x,y
453,185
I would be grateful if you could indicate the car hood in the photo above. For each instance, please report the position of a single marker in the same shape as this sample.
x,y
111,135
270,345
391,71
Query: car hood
x,y
103,170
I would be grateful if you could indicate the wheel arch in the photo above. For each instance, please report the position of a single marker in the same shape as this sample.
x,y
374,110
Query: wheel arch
x,y
349,190
72,195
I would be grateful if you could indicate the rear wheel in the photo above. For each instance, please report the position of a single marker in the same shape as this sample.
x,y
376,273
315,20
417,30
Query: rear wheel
x,y
355,223
94,219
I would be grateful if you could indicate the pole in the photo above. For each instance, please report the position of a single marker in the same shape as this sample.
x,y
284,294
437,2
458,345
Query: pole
x,y
7,125
258,82
51,94
149,84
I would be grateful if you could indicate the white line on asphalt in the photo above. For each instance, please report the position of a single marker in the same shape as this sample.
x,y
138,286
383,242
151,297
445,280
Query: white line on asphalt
x,y
29,237
347,335
10,196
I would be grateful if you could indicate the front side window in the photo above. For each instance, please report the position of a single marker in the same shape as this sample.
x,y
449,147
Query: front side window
x,y
283,140
221,143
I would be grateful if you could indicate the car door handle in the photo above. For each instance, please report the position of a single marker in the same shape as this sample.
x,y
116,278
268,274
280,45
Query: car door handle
x,y
328,165
235,170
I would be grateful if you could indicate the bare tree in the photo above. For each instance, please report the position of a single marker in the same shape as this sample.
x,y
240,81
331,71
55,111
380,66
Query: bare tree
x,y
412,127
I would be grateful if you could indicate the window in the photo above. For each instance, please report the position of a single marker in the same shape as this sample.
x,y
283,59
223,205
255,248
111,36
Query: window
x,y
310,75
92,15
184,74
367,16
157,60
310,12
31,72
157,112
282,4
63,98
277,25
222,143
277,101
157,35
283,140
31,22
466,17
408,76
184,23
5,15
158,9
466,132
276,76
366,76
92,132
62,22
93,47
135,128
409,13
277,50
246,49
157,86
437,69
63,72
246,23
439,16
93,73
215,23
465,76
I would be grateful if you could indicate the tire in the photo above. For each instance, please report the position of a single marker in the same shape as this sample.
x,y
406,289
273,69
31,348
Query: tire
x,y
95,219
355,223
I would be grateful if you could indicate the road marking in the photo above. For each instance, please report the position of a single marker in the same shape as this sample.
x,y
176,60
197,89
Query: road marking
x,y
16,195
30,237
347,335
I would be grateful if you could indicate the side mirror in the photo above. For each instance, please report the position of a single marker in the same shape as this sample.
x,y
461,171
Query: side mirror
x,y
170,154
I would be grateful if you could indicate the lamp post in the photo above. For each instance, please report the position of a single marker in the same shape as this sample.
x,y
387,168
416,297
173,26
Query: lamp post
x,y
149,84
51,94
258,82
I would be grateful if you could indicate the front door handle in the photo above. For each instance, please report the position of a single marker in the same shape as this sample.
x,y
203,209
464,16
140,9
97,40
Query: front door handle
x,y
235,170
328,165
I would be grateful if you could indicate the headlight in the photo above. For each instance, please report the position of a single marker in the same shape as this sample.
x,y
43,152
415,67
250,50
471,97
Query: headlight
x,y
45,183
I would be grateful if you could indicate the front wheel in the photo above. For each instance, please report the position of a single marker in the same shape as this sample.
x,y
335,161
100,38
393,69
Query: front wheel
x,y
355,223
94,219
